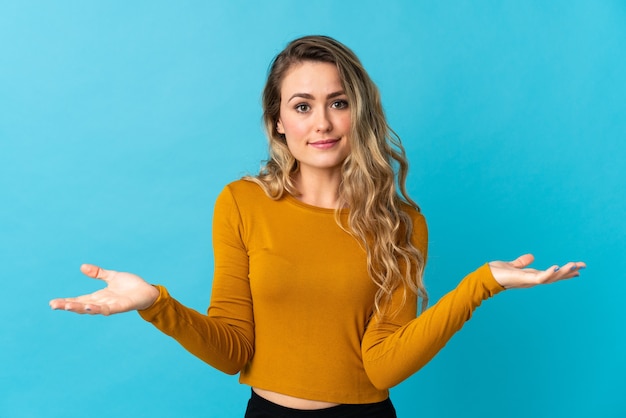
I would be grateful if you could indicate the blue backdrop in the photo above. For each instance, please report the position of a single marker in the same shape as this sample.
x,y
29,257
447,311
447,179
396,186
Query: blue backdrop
x,y
121,121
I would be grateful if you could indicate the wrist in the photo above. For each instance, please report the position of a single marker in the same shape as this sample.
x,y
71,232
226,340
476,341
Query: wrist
x,y
152,296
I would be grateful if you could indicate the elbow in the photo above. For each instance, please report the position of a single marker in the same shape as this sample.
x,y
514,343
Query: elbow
x,y
233,370
382,378
385,373
381,382
228,366
230,362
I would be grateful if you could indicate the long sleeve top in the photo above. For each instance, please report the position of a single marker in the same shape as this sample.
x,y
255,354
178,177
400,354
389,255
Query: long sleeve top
x,y
292,304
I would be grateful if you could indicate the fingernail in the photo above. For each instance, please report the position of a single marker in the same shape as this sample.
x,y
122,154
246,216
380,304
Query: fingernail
x,y
557,269
88,309
573,268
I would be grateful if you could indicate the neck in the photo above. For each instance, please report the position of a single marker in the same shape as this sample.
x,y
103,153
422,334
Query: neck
x,y
318,189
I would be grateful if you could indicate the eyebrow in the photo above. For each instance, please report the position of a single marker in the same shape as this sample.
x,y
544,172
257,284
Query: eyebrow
x,y
311,97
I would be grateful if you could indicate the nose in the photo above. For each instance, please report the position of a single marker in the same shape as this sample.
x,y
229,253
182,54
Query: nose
x,y
323,122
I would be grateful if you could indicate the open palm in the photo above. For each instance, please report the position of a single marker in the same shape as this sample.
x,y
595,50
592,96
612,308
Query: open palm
x,y
124,292
516,274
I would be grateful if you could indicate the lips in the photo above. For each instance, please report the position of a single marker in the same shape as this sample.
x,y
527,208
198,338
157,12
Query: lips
x,y
324,143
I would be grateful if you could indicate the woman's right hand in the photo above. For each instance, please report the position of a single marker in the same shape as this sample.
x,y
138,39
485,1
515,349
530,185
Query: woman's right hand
x,y
124,292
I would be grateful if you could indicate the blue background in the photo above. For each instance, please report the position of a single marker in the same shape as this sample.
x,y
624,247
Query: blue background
x,y
121,121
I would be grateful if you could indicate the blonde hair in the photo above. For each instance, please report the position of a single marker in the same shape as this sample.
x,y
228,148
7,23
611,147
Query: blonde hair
x,y
373,175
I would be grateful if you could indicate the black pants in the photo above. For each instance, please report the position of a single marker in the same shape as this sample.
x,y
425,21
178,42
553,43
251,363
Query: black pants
x,y
259,407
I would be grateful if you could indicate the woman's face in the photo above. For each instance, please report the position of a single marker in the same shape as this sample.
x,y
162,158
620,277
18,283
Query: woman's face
x,y
315,117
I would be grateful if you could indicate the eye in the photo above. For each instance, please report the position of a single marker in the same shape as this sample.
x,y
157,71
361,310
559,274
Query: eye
x,y
340,104
302,107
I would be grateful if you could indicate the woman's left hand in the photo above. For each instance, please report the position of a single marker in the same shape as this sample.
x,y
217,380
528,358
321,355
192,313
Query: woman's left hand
x,y
514,274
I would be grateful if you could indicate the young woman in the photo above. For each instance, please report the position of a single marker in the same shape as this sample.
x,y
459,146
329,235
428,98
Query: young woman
x,y
318,258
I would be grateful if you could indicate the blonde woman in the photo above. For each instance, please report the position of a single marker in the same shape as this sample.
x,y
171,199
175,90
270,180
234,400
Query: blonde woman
x,y
318,258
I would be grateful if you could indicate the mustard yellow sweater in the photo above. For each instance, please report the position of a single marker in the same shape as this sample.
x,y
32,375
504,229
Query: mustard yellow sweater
x,y
291,305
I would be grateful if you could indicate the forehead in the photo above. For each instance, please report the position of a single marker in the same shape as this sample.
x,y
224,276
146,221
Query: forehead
x,y
310,77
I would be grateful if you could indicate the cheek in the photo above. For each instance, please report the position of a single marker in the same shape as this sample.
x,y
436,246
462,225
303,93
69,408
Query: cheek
x,y
344,122
293,127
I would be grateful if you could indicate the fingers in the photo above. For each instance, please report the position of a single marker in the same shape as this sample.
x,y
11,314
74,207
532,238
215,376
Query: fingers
x,y
556,273
92,304
515,274
94,272
69,304
62,303
523,261
56,304
569,270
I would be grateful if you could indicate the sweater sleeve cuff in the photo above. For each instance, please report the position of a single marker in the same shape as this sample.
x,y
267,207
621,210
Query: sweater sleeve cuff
x,y
150,313
489,281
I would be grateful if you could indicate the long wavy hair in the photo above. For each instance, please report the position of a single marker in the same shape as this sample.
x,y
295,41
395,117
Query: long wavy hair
x,y
373,175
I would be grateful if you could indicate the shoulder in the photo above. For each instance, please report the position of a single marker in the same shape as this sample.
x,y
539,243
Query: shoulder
x,y
243,187
419,233
239,200
243,196
243,191
416,215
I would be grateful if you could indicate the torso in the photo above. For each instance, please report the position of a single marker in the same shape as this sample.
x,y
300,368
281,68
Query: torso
x,y
308,279
292,402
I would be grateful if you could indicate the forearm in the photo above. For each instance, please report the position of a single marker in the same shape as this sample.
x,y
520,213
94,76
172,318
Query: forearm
x,y
222,343
390,356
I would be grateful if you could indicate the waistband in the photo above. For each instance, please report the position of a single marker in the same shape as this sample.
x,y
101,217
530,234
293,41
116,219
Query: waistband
x,y
260,407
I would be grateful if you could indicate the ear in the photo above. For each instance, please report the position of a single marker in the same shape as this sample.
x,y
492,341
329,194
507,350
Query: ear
x,y
279,127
